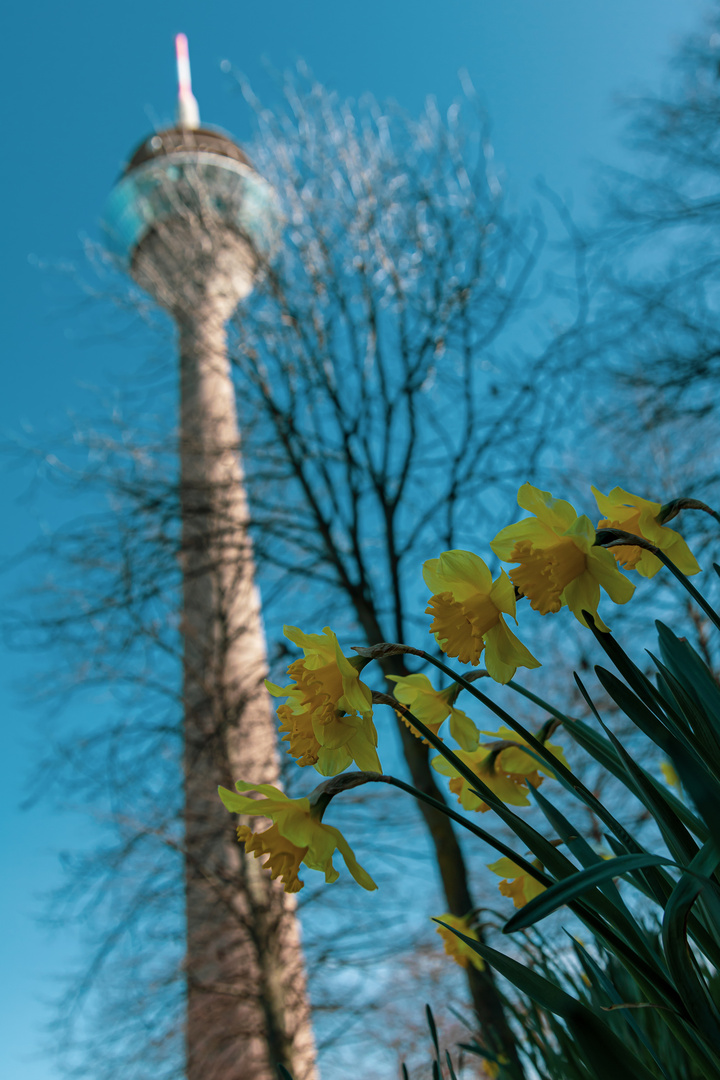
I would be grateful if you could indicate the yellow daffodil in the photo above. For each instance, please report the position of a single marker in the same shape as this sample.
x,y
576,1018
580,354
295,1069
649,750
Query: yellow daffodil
x,y
327,717
461,952
506,769
518,884
638,516
296,836
670,775
468,608
559,563
432,707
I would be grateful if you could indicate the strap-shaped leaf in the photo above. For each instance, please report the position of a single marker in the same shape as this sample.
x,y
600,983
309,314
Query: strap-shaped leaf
x,y
593,970
603,1053
681,962
562,892
691,671
602,750
692,709
682,845
663,732
620,917
433,1030
702,787
629,671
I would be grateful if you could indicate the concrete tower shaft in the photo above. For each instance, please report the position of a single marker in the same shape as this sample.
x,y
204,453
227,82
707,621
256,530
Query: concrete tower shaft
x,y
192,219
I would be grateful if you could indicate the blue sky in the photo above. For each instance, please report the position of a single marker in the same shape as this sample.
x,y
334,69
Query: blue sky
x,y
84,82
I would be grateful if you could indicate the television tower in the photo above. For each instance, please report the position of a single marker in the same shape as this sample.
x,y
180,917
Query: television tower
x,y
191,219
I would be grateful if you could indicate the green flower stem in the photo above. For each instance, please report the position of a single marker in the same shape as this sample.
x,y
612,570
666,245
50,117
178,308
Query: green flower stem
x,y
645,968
670,510
561,771
482,834
489,796
688,585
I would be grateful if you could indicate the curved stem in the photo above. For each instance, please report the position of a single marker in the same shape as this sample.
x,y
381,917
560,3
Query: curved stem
x,y
482,834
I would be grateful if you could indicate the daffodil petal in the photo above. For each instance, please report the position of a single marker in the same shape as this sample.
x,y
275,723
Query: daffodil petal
x,y
361,876
505,653
463,730
556,513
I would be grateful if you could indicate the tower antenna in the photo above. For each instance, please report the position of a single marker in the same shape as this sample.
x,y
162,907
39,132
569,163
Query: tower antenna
x,y
188,112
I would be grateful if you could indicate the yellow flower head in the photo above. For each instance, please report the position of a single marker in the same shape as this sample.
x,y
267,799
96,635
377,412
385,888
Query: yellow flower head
x,y
460,951
559,563
669,774
518,884
327,717
506,769
468,608
432,707
639,516
297,835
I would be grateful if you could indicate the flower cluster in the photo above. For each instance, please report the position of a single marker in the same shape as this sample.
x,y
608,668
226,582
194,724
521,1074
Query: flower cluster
x,y
558,558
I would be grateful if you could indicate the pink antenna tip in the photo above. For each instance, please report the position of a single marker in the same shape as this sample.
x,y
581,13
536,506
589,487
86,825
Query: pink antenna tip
x,y
188,112
183,64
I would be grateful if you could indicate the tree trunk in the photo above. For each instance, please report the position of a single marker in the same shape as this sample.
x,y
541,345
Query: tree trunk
x,y
487,1003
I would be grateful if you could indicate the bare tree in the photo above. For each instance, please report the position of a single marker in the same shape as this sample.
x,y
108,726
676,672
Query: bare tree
x,y
393,388
656,319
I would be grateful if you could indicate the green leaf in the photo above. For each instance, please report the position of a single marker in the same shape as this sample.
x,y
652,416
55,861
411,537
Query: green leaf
x,y
629,671
573,887
702,729
681,962
662,731
581,849
681,844
603,1052
433,1030
702,787
697,725
451,1070
691,671
603,980
621,918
